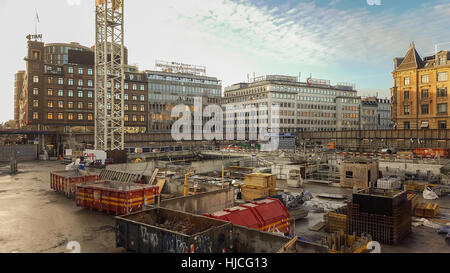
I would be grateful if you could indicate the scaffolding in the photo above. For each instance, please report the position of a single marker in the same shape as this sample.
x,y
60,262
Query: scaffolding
x,y
109,75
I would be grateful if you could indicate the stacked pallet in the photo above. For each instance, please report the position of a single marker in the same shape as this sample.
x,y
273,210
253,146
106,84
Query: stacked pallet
x,y
259,185
414,199
427,210
336,222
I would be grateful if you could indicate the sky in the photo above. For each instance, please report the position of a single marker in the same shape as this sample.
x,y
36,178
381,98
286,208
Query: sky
x,y
351,41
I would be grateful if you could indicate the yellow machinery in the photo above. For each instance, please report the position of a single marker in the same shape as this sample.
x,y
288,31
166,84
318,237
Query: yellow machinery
x,y
186,184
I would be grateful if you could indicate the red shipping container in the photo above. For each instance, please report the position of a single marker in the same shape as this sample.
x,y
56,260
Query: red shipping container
x,y
116,198
430,153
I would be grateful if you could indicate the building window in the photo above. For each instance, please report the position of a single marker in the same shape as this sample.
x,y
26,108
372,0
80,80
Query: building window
x,y
90,105
80,117
60,104
126,107
125,117
80,70
80,105
49,80
90,94
70,105
60,81
425,78
50,92
90,117
80,82
442,92
50,104
406,125
60,116
36,79
406,110
80,94
134,108
50,116
35,103
142,108
35,115
70,116
142,97
142,118
131,77
35,91
70,70
70,82
70,93
90,72
126,97
425,109
442,108
134,118
60,93
135,97
425,94
134,86
142,87
406,95
126,86
442,76
406,80
90,83
442,124
349,174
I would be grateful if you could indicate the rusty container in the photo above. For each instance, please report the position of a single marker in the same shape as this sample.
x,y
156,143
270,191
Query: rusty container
x,y
161,230
116,198
67,181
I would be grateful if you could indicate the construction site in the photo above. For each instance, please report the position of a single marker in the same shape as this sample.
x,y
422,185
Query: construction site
x,y
234,201
384,191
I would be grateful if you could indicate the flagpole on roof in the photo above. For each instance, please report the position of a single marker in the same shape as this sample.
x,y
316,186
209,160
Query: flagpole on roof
x,y
36,21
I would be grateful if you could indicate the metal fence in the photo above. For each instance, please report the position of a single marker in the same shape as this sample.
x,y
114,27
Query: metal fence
x,y
20,152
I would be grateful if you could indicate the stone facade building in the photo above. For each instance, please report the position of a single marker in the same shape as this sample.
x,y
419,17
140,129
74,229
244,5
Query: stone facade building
x,y
420,94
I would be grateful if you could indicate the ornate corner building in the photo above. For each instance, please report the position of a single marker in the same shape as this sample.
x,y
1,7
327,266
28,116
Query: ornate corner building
x,y
420,94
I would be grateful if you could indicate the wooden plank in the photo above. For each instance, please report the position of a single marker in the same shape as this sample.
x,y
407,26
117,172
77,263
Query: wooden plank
x,y
161,182
152,179
317,227
290,244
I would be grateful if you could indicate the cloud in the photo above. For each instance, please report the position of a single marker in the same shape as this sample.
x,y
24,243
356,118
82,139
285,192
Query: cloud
x,y
308,34
73,2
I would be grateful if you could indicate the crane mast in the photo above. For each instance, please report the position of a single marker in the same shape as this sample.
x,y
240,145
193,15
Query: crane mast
x,y
109,75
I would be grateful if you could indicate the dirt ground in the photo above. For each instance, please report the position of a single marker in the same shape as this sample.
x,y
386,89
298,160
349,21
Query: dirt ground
x,y
35,219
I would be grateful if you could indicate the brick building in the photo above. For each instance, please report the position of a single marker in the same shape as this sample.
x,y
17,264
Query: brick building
x,y
57,90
